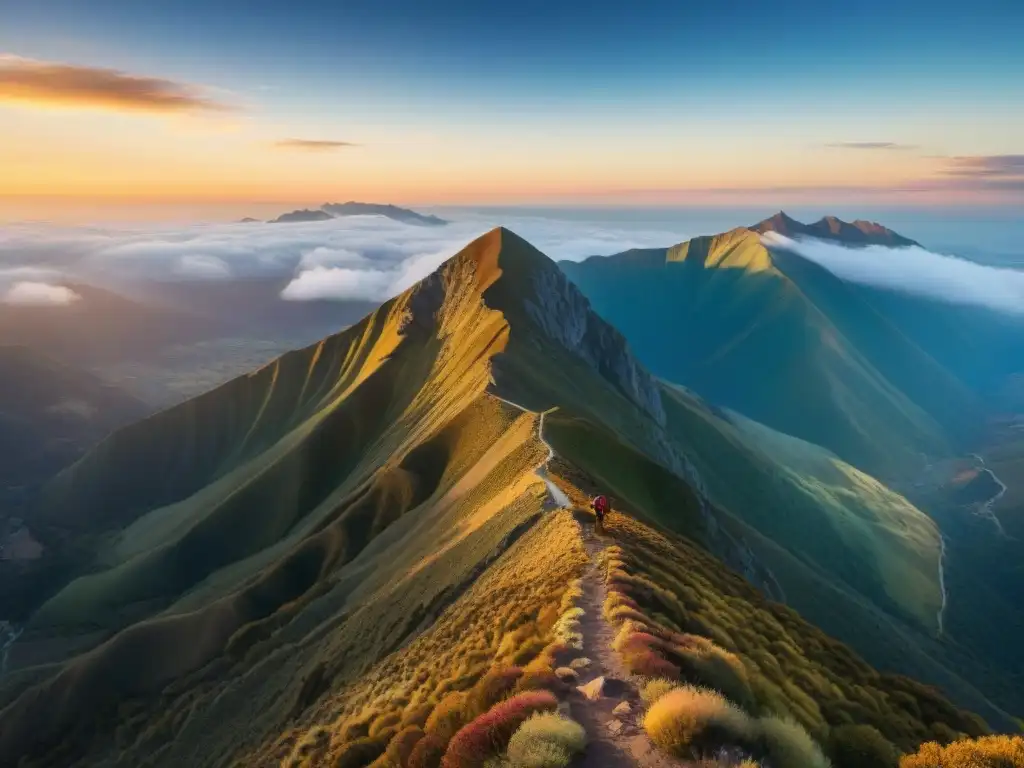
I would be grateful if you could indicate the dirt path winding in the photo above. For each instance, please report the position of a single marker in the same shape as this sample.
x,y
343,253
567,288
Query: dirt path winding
x,y
615,741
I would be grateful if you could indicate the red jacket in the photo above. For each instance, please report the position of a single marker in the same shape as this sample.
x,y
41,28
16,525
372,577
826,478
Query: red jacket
x,y
600,505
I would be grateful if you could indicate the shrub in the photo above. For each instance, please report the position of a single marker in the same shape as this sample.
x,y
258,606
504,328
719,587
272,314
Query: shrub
x,y
986,752
641,656
489,734
494,686
385,723
428,753
862,746
448,717
416,715
546,740
654,688
528,651
787,745
361,752
703,662
690,721
403,743
540,680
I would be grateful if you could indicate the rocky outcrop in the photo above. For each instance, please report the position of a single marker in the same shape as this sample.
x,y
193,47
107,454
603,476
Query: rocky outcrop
x,y
563,313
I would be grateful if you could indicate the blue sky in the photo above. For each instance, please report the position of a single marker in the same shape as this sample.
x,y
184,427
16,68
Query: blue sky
x,y
529,99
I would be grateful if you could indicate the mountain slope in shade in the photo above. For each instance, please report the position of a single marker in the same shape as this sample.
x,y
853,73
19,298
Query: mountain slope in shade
x,y
784,342
308,555
51,413
856,233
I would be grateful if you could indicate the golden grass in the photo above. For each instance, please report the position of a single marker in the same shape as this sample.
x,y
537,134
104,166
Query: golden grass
x,y
546,740
986,752
688,722
464,664
759,654
653,689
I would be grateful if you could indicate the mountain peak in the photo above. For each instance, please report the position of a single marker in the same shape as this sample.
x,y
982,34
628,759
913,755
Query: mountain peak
x,y
858,233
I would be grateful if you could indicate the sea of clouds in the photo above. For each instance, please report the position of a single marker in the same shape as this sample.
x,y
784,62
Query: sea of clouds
x,y
915,270
358,257
373,258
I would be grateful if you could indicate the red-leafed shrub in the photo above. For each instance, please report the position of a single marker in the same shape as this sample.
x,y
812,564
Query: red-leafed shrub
x,y
494,686
641,654
489,734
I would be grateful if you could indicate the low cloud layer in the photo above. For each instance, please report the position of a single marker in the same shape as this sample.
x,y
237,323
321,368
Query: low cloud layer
x,y
27,293
358,257
59,84
313,145
917,271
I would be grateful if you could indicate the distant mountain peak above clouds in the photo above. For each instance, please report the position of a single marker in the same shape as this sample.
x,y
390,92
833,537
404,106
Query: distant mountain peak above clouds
x,y
354,208
857,233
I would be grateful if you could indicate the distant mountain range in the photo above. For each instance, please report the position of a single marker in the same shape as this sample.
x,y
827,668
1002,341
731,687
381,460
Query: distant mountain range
x,y
857,233
352,208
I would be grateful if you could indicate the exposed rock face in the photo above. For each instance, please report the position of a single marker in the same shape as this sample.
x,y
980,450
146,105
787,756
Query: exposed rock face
x,y
563,313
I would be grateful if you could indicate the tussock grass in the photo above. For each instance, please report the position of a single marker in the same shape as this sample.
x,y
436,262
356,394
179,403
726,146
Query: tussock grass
x,y
986,752
760,655
653,689
861,746
787,745
688,722
489,734
546,740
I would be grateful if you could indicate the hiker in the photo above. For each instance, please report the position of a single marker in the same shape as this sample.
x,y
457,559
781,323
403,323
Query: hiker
x,y
600,507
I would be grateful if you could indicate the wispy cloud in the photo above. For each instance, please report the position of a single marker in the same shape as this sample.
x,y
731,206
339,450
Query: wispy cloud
x,y
991,171
36,294
915,270
67,85
986,165
870,145
313,145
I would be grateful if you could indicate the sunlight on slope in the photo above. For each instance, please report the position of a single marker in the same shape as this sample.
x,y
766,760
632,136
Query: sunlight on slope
x,y
902,542
736,249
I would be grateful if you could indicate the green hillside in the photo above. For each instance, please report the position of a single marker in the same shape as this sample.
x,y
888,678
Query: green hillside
x,y
353,554
785,343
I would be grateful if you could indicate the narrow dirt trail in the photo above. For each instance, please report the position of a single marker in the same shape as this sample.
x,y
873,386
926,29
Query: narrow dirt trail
x,y
614,741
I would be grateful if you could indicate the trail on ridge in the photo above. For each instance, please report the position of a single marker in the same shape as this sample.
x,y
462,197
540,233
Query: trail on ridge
x,y
614,741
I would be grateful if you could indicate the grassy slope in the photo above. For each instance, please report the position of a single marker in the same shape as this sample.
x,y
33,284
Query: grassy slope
x,y
732,310
791,545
